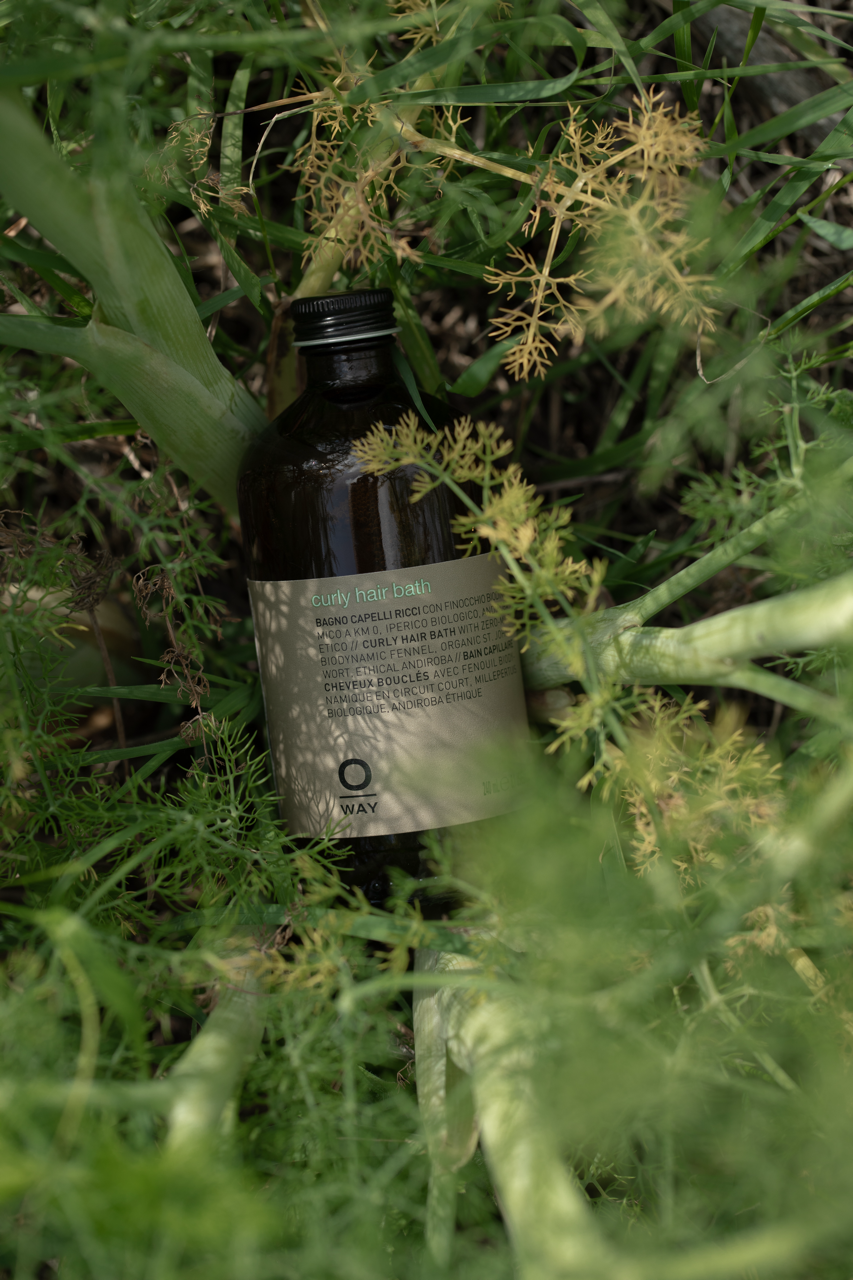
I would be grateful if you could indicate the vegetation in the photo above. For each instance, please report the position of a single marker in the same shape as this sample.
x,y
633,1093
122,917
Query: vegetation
x,y
616,240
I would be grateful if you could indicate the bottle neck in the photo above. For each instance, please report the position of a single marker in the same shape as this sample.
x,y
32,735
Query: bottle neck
x,y
350,365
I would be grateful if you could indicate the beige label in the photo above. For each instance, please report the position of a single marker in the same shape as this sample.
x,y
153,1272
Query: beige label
x,y
383,692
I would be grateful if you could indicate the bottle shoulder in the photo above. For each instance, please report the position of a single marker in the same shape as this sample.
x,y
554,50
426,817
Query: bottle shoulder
x,y
321,426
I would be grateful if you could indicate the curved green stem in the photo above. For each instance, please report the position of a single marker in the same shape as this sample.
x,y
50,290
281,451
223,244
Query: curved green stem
x,y
210,1071
547,1215
639,611
790,693
451,1130
87,1057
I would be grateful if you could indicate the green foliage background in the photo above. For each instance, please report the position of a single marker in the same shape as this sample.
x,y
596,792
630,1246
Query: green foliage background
x,y
207,1058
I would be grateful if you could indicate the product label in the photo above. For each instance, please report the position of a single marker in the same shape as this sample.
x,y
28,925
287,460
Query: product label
x,y
383,693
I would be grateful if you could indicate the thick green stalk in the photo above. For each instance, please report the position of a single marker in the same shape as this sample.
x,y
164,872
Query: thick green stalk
x,y
767,1251
492,1039
39,183
87,1057
800,697
103,1095
553,1230
431,1062
210,1071
714,651
103,230
451,1130
203,435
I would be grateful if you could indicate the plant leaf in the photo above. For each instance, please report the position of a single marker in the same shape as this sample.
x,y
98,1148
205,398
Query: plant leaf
x,y
602,21
684,56
248,225
242,273
205,436
110,982
231,147
415,65
402,366
799,117
809,304
492,94
480,372
416,341
220,300
839,237
838,143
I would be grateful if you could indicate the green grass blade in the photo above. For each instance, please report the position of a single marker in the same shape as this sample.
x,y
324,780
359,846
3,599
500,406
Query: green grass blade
x,y
231,147
244,275
220,300
752,35
163,749
248,225
618,419
680,18
805,308
684,56
621,455
39,259
837,144
602,22
838,236
142,772
796,118
403,367
59,67
31,308
415,65
464,267
47,264
479,374
136,693
415,339
492,94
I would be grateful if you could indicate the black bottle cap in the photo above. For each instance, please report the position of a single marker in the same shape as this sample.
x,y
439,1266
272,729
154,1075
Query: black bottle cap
x,y
343,317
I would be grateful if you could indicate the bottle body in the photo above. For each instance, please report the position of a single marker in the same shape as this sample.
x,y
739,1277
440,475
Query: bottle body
x,y
371,630
309,512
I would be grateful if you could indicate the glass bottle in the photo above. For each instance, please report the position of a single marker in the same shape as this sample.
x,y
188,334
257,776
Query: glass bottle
x,y
365,696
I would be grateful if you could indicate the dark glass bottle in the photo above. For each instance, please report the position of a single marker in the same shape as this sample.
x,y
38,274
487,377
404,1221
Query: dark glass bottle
x,y
386,672
308,511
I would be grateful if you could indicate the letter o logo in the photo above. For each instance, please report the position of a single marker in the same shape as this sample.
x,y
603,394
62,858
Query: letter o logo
x,y
355,786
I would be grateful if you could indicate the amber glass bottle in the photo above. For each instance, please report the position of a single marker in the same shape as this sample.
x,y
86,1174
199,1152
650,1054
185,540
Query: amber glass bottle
x,y
365,695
